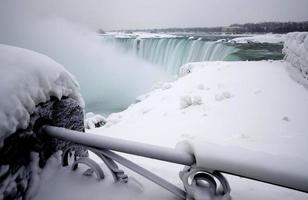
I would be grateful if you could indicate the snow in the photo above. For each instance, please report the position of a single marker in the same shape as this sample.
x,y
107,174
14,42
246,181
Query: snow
x,y
296,50
265,38
27,79
257,89
255,99
139,34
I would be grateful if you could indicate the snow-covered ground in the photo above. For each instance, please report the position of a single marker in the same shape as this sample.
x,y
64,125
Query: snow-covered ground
x,y
27,79
255,105
264,38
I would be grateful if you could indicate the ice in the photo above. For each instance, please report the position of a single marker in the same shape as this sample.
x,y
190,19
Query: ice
x,y
296,53
265,38
27,79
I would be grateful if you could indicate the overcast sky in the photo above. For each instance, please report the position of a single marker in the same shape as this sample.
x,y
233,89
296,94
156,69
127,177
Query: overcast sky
x,y
129,14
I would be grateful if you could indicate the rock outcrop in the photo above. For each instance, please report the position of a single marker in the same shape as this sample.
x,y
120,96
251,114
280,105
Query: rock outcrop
x,y
16,155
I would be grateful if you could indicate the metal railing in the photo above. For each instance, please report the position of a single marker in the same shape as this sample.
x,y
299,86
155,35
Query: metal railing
x,y
216,186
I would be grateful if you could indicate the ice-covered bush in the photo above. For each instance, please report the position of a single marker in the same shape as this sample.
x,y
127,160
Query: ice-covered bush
x,y
94,120
296,51
186,69
197,100
185,101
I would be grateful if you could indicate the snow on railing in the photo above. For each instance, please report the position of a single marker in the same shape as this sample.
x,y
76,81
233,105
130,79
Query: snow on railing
x,y
200,182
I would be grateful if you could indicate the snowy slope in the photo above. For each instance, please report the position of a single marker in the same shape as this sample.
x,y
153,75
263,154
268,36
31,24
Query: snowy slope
x,y
255,105
237,100
27,79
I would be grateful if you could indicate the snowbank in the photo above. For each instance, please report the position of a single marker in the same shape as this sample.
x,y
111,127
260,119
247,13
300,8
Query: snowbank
x,y
296,53
252,105
27,79
266,38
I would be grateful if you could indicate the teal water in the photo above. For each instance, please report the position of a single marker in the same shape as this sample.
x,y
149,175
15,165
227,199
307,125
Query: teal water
x,y
171,53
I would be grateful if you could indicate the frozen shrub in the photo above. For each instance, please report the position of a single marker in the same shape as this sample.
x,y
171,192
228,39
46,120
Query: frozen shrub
x,y
185,101
141,98
158,85
166,86
197,100
185,69
219,97
114,118
94,121
226,95
201,87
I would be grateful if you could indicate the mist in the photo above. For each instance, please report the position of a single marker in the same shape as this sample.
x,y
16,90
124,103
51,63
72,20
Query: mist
x,y
109,80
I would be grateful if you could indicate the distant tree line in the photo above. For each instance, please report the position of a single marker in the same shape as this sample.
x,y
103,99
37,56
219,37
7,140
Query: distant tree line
x,y
263,27
273,27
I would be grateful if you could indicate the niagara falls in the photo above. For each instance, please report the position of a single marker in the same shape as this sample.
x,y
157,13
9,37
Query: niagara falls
x,y
147,100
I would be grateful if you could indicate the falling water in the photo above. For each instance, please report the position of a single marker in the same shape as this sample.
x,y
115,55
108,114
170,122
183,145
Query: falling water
x,y
171,53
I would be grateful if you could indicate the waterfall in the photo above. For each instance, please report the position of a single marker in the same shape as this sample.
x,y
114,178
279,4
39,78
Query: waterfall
x,y
171,53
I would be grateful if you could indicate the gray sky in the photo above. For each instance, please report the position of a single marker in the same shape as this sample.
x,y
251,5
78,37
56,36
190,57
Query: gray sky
x,y
128,14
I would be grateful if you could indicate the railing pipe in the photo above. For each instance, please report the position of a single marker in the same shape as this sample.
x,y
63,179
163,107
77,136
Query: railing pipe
x,y
276,170
120,145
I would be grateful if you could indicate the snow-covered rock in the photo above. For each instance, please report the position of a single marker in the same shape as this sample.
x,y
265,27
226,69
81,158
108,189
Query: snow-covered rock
x,y
19,167
27,79
34,91
296,53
